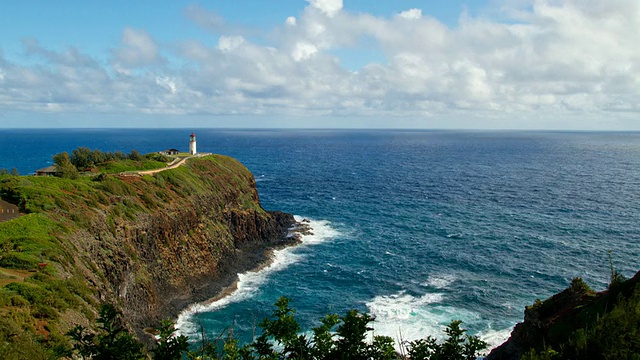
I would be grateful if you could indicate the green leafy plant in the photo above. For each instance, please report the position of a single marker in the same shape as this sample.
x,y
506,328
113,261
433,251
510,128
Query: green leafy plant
x,y
169,346
112,341
339,338
457,346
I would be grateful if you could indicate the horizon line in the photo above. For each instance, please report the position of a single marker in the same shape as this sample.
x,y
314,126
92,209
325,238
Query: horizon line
x,y
326,129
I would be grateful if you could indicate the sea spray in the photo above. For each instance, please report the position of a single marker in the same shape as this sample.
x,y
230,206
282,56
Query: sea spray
x,y
406,317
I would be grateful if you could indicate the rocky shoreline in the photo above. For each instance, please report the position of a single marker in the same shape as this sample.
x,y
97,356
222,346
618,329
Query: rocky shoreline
x,y
251,261
247,256
245,260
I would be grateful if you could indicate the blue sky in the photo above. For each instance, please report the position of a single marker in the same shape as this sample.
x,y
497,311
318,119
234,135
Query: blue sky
x,y
506,64
95,27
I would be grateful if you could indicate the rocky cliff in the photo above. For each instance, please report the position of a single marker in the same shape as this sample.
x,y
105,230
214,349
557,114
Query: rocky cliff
x,y
150,244
579,323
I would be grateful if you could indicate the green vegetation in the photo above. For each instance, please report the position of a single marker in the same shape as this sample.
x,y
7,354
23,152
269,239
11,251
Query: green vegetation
x,y
13,172
111,341
457,346
83,160
115,167
29,313
65,168
579,323
336,338
609,335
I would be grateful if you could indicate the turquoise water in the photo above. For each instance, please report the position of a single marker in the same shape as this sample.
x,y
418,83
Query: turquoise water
x,y
416,227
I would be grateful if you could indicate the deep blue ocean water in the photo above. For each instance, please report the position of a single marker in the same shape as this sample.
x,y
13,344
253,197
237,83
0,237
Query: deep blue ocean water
x,y
416,227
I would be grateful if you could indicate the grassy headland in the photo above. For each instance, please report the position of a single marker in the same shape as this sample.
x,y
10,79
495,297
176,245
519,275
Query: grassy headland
x,y
98,236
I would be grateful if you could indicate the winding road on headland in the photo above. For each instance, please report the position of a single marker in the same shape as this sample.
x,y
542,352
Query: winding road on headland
x,y
174,164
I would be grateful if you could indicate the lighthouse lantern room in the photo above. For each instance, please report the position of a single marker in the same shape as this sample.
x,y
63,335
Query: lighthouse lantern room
x,y
192,144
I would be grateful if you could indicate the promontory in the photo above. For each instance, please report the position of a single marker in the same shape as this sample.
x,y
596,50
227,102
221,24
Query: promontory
x,y
149,244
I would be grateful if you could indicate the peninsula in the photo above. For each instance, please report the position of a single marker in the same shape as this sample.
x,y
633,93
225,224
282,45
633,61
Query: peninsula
x,y
151,244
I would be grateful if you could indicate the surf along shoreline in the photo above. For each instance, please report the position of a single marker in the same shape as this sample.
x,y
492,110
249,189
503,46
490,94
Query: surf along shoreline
x,y
247,262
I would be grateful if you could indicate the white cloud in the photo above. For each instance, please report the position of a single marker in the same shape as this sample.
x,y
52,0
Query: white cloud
x,y
328,7
412,14
137,49
556,59
291,21
303,51
230,43
169,83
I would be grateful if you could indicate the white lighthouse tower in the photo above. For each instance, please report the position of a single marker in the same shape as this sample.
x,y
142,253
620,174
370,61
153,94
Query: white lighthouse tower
x,y
192,144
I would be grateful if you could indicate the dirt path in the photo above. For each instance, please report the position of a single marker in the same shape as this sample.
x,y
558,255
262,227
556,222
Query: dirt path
x,y
172,166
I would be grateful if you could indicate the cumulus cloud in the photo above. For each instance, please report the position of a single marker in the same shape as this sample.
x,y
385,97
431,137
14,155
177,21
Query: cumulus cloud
x,y
412,14
137,49
549,60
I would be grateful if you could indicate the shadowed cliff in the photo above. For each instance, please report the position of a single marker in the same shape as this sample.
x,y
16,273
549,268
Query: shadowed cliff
x,y
579,323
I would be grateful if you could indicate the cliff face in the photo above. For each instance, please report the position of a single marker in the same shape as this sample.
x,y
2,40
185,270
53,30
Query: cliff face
x,y
154,244
579,323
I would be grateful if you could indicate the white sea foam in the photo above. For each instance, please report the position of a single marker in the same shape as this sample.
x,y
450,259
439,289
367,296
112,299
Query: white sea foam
x,y
494,337
248,283
400,306
404,317
439,281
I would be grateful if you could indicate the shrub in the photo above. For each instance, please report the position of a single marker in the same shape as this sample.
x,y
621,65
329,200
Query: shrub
x,y
457,346
578,286
112,340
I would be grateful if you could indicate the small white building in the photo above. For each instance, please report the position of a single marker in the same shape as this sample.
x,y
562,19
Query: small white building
x,y
192,144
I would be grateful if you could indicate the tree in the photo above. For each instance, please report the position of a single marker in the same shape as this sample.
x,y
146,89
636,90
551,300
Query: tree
x,y
348,341
169,347
616,278
112,341
14,172
135,156
457,345
82,158
352,333
65,168
284,331
337,338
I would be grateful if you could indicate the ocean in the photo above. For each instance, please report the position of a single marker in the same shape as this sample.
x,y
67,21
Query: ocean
x,y
415,227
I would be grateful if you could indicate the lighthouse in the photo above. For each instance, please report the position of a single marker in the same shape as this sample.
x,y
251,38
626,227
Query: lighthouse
x,y
192,144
